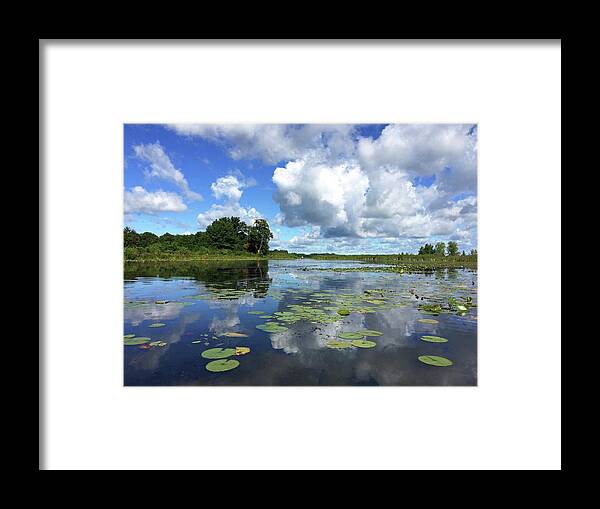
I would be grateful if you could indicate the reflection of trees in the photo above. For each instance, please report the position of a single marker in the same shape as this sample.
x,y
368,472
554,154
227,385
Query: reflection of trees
x,y
250,275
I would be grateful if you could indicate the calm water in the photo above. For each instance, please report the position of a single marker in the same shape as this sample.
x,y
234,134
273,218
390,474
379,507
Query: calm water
x,y
207,300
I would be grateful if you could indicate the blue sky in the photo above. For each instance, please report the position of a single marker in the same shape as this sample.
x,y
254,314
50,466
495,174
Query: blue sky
x,y
344,188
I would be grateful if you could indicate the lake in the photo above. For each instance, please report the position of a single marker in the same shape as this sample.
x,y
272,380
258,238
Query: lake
x,y
305,322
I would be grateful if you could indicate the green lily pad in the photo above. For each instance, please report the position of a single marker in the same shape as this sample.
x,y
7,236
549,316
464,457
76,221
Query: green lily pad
x,y
158,343
128,336
221,365
255,312
370,332
434,339
427,320
271,327
351,335
363,343
434,360
136,341
218,353
337,344
343,312
155,325
234,335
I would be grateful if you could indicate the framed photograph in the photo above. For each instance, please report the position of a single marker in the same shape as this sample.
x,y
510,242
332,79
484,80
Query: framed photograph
x,y
300,254
257,251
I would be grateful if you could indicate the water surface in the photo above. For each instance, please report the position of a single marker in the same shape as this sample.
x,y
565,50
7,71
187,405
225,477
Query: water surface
x,y
200,302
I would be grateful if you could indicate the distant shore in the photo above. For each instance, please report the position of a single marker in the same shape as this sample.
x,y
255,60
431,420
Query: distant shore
x,y
398,262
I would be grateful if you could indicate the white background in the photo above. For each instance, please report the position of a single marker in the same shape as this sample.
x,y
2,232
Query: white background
x,y
511,421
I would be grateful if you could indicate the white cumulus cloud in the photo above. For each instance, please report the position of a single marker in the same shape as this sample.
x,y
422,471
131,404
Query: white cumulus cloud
x,y
139,200
162,167
229,190
273,143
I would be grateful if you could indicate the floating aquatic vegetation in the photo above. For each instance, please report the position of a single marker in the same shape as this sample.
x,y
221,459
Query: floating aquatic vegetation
x,y
434,339
161,302
427,320
343,312
234,335
196,341
363,343
266,317
218,353
255,312
222,365
430,308
155,325
375,301
370,332
271,327
351,335
434,360
242,350
128,336
302,312
158,343
136,341
337,344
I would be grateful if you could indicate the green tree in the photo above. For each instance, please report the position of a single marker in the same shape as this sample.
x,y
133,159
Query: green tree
x,y
452,248
427,249
131,238
440,249
227,233
258,237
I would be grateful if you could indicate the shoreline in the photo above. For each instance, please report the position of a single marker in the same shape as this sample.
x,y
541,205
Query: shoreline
x,y
392,265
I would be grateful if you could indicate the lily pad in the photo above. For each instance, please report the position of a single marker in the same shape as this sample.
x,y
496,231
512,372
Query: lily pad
x,y
427,320
128,336
434,339
343,312
161,302
136,341
242,350
155,325
221,365
196,341
370,332
337,344
271,327
158,343
234,335
363,343
351,335
434,360
218,353
255,312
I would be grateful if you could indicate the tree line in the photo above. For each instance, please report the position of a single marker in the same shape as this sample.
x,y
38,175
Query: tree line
x,y
227,235
441,249
230,236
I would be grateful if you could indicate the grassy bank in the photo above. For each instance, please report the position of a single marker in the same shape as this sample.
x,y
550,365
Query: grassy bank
x,y
398,263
